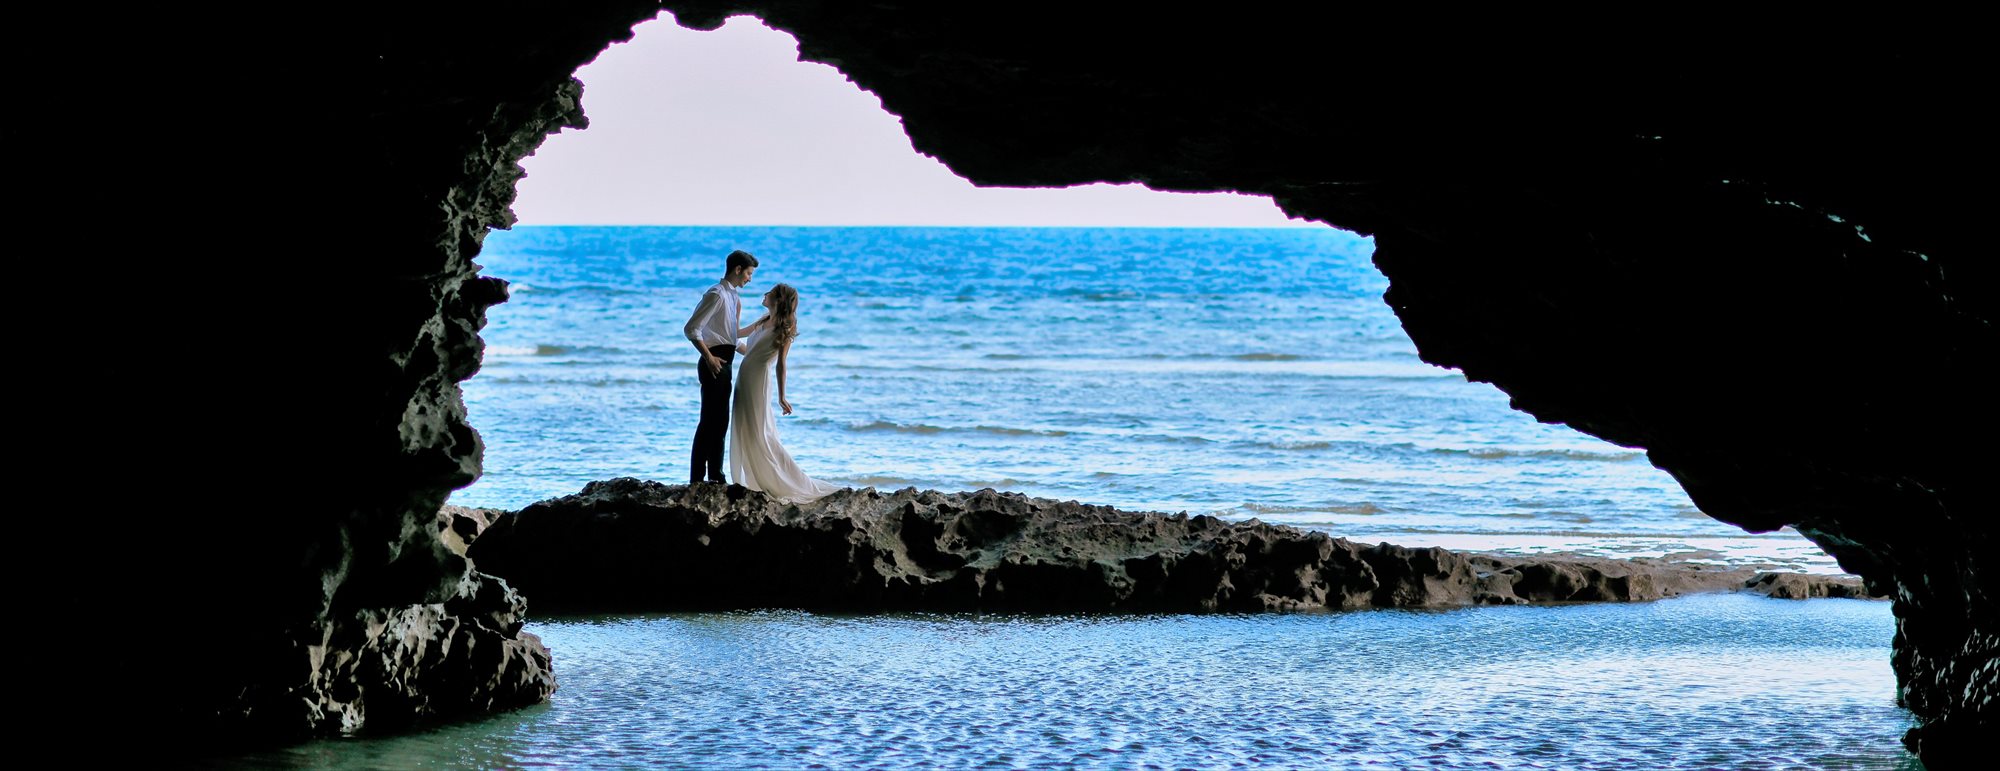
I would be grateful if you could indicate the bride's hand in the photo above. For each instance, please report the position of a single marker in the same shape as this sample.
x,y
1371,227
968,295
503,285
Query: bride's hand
x,y
785,404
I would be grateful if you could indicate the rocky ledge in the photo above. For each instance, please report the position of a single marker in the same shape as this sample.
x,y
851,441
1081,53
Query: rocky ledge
x,y
632,545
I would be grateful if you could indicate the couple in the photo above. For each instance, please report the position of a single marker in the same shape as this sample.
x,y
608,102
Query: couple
x,y
756,459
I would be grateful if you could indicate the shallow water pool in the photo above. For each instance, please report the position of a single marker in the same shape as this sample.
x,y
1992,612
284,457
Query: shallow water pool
x,y
1709,681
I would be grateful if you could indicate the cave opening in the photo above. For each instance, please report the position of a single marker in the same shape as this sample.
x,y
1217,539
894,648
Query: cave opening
x,y
1707,200
1036,323
1323,418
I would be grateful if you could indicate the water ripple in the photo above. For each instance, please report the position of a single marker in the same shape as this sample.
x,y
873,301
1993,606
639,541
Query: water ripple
x,y
1718,681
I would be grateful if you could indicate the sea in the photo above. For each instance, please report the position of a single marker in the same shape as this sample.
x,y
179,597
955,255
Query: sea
x,y
1240,372
1244,373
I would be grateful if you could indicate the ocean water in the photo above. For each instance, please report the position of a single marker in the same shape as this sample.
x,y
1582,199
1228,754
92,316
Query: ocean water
x,y
1703,682
1237,372
1245,373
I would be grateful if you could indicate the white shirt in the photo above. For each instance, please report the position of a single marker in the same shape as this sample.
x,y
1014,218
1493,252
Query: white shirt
x,y
714,320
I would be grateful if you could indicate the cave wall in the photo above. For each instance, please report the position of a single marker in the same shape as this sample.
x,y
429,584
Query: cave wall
x,y
293,420
1750,250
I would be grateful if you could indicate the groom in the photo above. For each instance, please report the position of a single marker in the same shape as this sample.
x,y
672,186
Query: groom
x,y
712,329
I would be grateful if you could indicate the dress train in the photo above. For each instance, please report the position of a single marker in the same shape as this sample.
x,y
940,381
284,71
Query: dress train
x,y
756,459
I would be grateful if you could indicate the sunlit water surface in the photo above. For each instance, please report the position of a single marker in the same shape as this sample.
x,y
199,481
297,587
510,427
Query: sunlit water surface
x,y
1712,681
1238,372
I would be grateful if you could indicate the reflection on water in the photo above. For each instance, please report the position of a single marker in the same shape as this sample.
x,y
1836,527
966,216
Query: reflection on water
x,y
1712,681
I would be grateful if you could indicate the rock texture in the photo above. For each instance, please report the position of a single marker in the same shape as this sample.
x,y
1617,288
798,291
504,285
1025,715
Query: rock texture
x,y
1760,254
1796,586
380,669
640,546
457,526
391,669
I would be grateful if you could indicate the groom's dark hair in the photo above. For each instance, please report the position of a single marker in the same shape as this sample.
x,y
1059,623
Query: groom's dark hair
x,y
740,259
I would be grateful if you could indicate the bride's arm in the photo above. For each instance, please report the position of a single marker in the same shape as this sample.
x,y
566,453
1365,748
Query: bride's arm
x,y
745,332
781,377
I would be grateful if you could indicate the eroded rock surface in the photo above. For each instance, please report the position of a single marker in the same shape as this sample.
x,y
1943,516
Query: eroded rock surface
x,y
632,545
457,526
381,670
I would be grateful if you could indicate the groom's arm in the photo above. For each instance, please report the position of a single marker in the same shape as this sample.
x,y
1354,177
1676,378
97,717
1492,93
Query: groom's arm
x,y
711,303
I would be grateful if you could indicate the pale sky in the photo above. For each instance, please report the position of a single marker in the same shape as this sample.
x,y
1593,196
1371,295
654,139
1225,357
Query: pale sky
x,y
730,128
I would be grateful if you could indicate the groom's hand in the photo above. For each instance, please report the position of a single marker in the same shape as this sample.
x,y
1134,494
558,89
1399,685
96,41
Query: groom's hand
x,y
713,364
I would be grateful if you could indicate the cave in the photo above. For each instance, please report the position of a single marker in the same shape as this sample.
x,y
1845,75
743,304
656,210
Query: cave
x,y
1753,256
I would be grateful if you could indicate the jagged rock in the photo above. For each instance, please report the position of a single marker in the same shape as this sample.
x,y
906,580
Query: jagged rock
x,y
457,526
1799,586
380,670
633,545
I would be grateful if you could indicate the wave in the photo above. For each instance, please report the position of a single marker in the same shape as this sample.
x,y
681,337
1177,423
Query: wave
x,y
526,350
1160,357
1168,438
1099,295
1296,445
925,428
589,353
518,287
1007,483
1365,482
1683,538
1481,453
1268,357
876,480
1494,453
1273,367
543,380
1362,509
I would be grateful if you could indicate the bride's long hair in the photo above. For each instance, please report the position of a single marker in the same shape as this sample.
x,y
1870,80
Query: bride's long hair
x,y
784,314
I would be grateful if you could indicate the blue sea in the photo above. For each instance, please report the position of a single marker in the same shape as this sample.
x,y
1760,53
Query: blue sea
x,y
1236,372
1244,373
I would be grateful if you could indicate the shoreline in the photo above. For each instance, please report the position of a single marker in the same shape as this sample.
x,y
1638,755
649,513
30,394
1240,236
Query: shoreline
x,y
631,545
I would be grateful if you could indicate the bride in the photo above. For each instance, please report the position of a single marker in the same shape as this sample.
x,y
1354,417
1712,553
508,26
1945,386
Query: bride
x,y
756,459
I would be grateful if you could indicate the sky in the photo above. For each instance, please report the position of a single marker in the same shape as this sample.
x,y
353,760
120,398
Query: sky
x,y
729,128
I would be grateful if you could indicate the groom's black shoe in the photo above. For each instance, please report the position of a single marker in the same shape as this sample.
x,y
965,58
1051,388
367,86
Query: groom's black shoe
x,y
719,480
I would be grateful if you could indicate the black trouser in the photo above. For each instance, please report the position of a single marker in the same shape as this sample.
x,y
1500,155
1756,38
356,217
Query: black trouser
x,y
714,426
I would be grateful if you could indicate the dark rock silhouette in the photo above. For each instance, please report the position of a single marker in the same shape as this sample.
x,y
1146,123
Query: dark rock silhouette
x,y
1795,586
1759,254
640,546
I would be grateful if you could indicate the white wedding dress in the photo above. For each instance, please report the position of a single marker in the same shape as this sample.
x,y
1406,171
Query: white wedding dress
x,y
756,459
